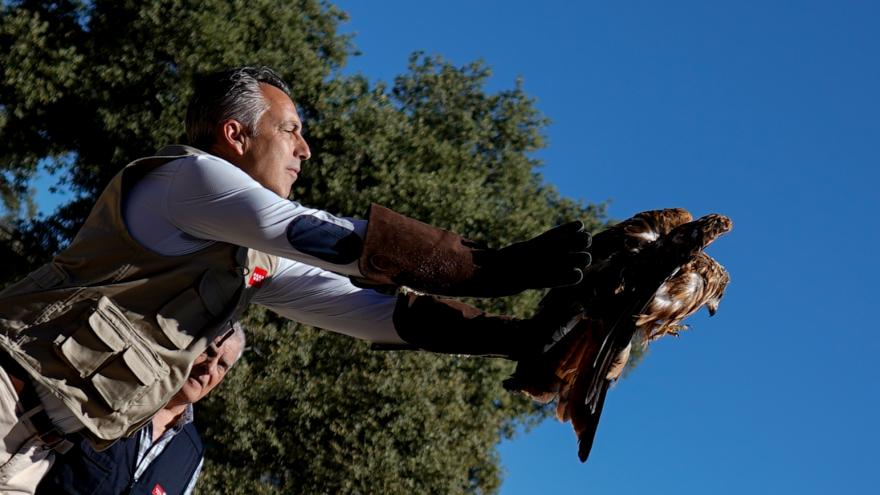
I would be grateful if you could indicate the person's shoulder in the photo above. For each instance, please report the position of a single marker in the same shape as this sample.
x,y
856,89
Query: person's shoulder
x,y
191,434
212,171
207,160
185,155
214,163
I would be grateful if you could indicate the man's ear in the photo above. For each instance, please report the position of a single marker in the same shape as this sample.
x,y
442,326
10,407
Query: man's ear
x,y
233,136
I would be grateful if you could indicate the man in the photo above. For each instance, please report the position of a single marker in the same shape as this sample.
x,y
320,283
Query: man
x,y
179,244
165,456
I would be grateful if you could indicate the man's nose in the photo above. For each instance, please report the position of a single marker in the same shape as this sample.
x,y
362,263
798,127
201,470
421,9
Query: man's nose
x,y
302,150
214,366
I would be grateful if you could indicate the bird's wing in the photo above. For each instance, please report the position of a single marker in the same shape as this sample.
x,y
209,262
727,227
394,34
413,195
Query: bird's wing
x,y
579,353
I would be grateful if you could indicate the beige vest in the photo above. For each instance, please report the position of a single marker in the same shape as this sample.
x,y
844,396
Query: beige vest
x,y
111,328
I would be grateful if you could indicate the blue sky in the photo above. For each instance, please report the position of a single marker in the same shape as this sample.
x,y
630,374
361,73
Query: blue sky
x,y
768,112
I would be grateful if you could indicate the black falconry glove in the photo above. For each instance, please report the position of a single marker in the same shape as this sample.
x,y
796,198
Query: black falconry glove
x,y
401,251
448,326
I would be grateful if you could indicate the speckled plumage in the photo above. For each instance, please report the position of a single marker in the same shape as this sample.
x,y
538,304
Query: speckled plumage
x,y
699,282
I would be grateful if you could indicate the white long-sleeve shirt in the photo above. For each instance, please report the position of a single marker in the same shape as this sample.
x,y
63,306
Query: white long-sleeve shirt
x,y
187,204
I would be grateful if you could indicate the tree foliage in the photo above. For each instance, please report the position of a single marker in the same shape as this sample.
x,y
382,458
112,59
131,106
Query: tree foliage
x,y
89,85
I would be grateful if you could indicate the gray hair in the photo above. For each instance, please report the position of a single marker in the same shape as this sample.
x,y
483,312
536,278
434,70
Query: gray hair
x,y
230,94
238,333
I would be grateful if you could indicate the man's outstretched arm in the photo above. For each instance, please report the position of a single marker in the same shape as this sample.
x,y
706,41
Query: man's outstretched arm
x,y
209,199
320,298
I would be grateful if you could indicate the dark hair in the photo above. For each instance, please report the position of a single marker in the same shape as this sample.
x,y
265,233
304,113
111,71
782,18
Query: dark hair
x,y
229,94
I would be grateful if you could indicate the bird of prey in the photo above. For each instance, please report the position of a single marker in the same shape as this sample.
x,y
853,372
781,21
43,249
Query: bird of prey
x,y
648,274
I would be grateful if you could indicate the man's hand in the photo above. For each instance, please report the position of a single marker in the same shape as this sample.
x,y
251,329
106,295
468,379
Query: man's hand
x,y
553,259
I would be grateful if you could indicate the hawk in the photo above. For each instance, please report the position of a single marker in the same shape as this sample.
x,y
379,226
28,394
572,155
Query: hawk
x,y
648,274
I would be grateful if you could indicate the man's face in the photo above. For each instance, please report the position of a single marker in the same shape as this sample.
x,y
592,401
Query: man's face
x,y
273,156
209,369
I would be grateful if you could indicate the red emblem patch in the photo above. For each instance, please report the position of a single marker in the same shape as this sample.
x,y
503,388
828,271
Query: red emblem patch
x,y
257,277
158,490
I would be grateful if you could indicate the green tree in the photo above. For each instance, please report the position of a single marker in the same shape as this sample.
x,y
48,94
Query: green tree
x,y
17,206
88,86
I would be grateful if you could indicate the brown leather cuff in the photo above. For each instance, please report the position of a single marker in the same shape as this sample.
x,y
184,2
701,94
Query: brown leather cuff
x,y
401,251
452,327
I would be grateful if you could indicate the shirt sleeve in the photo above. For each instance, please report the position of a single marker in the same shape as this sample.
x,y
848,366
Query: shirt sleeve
x,y
195,477
210,198
324,299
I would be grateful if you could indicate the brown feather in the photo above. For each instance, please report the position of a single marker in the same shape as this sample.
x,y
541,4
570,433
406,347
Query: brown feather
x,y
635,233
582,351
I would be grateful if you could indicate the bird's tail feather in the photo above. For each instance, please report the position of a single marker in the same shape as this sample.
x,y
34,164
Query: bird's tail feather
x,y
586,429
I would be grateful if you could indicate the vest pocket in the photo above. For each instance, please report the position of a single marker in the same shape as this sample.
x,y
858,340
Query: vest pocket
x,y
110,353
189,314
125,378
182,319
90,346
